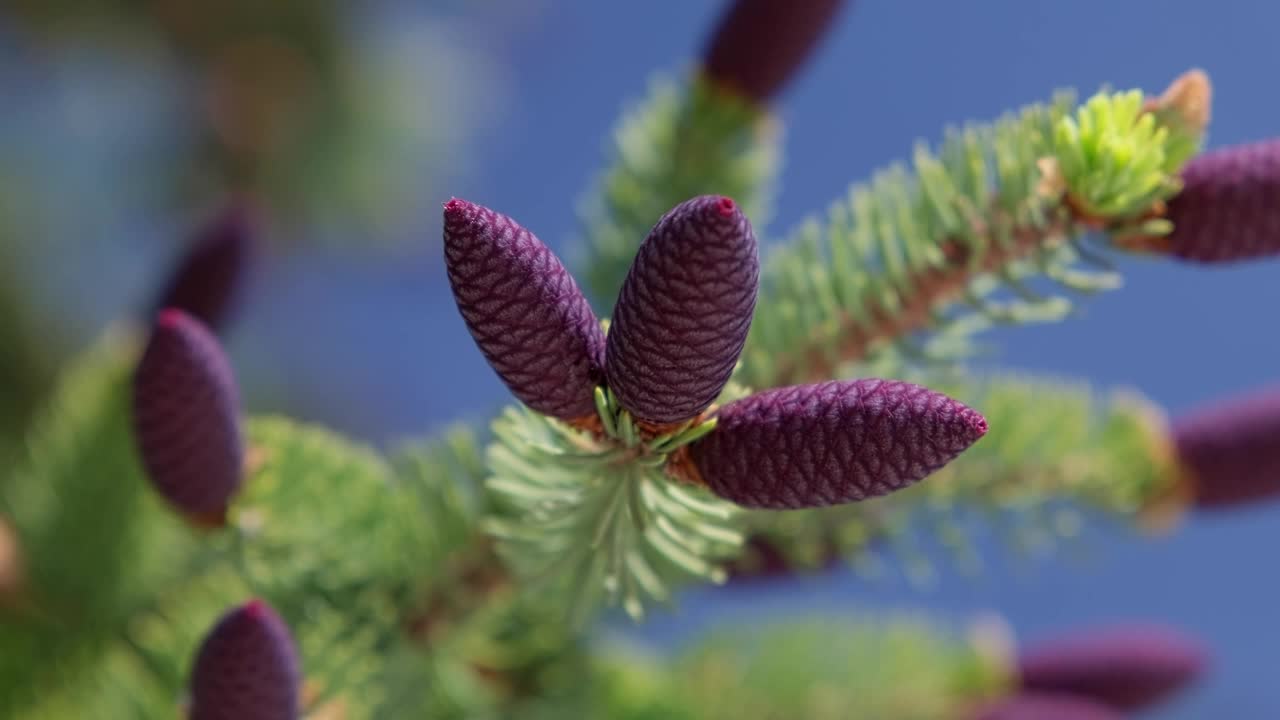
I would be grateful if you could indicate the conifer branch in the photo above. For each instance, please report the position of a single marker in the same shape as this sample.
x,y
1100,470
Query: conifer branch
x,y
601,515
880,665
684,140
899,665
996,207
931,288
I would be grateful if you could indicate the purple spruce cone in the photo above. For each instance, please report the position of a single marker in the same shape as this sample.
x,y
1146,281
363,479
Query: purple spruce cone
x,y
1231,450
524,310
247,668
1125,668
758,45
1046,707
831,443
186,416
208,277
683,313
1229,206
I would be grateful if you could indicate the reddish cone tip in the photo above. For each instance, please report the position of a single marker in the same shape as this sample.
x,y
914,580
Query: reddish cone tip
x,y
759,45
1232,449
171,318
186,417
524,311
1038,706
1227,210
208,277
247,668
684,311
257,609
831,443
1126,668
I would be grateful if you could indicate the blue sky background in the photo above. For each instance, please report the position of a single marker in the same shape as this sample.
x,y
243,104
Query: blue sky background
x,y
374,345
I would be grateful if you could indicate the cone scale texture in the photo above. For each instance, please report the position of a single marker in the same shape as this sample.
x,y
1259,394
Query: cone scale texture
x,y
186,415
246,669
1125,668
759,45
831,443
684,310
1229,207
524,311
1231,450
208,277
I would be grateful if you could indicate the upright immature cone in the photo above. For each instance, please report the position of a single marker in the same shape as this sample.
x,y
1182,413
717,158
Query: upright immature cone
x,y
186,417
1229,206
524,311
758,45
831,443
212,271
1230,451
247,668
1046,707
1125,668
684,311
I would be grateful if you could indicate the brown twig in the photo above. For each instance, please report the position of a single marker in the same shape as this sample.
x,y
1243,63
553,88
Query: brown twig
x,y
929,289
474,573
11,570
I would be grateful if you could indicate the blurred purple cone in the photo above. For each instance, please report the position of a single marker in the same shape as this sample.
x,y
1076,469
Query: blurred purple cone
x,y
247,668
763,559
759,45
524,311
1046,707
684,311
1126,668
1229,206
831,443
186,417
210,274
1231,449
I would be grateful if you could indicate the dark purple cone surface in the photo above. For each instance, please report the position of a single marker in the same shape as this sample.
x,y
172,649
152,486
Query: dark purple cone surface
x,y
1232,449
247,668
524,310
1229,206
1126,668
1046,707
186,416
759,45
831,443
210,274
684,311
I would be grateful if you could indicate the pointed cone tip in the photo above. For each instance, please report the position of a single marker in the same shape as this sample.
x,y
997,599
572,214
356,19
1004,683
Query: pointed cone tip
x,y
975,421
457,205
257,609
170,318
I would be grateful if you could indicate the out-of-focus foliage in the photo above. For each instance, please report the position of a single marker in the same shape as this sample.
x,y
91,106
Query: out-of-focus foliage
x,y
326,112
901,667
380,568
125,122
